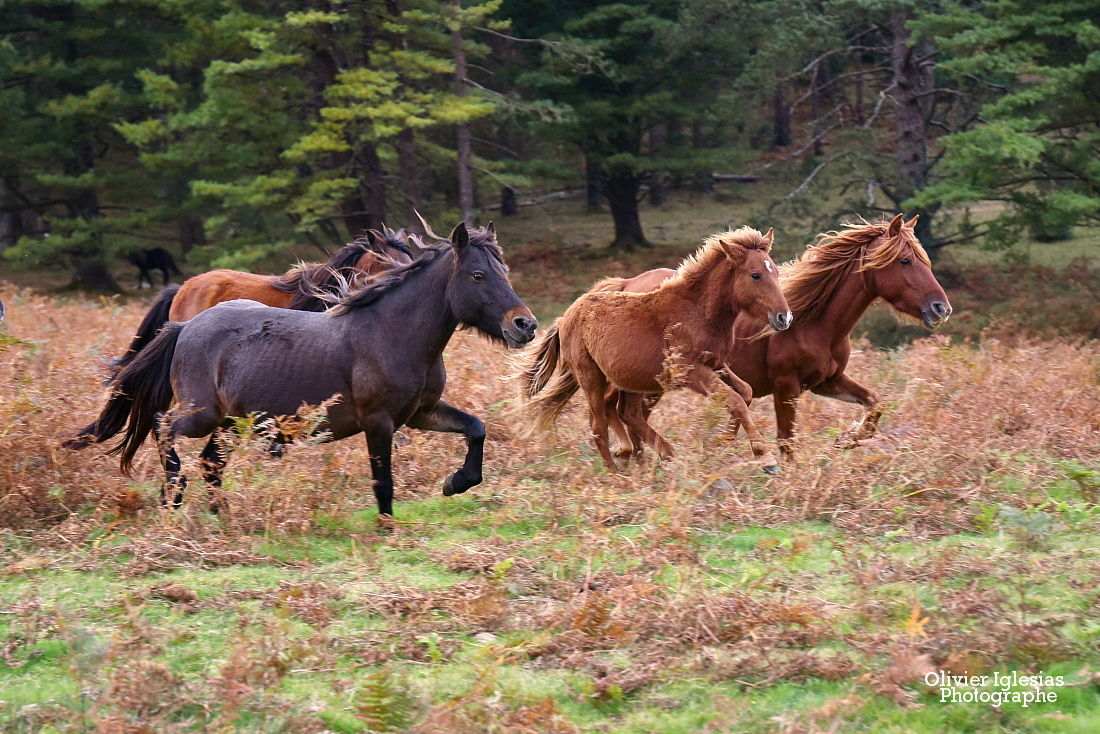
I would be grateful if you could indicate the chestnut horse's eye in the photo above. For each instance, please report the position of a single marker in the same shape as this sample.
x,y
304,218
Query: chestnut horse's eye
x,y
905,261
756,276
478,275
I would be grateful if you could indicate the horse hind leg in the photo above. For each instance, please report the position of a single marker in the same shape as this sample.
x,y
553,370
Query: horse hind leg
x,y
171,492
634,413
629,445
594,384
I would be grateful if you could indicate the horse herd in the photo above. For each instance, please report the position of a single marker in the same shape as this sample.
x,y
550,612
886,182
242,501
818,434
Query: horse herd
x,y
364,334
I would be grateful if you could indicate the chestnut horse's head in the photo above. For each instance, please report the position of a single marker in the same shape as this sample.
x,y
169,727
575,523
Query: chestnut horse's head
x,y
384,249
754,287
896,269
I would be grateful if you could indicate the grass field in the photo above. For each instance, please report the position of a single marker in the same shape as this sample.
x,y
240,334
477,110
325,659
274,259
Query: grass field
x,y
695,595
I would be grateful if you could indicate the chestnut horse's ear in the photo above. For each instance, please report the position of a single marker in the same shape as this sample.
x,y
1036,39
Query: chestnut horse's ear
x,y
491,229
769,237
459,236
913,222
895,226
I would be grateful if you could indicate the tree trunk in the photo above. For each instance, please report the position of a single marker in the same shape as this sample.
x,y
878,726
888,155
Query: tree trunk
x,y
374,186
462,135
781,119
410,178
912,107
816,99
508,205
658,180
701,182
622,196
191,233
93,275
593,189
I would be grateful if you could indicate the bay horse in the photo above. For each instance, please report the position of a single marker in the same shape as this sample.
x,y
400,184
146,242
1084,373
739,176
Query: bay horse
x,y
829,288
380,348
374,252
674,336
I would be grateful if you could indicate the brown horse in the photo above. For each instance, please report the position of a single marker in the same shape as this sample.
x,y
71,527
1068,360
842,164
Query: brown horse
x,y
829,288
675,336
373,253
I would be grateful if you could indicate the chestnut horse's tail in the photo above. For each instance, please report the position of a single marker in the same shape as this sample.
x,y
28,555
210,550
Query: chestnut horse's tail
x,y
543,392
141,390
156,317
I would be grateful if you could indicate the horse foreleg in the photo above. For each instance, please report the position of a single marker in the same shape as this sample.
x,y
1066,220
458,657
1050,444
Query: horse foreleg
x,y
446,418
379,432
847,390
704,380
742,388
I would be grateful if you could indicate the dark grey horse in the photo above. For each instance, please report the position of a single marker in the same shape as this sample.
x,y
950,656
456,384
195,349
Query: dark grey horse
x,y
380,348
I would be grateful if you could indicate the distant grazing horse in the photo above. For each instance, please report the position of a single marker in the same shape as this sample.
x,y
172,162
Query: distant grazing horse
x,y
829,288
380,348
297,288
156,258
674,336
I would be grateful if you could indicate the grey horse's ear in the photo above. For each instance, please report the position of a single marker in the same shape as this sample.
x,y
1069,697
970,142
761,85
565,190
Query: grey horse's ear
x,y
459,236
491,229
374,237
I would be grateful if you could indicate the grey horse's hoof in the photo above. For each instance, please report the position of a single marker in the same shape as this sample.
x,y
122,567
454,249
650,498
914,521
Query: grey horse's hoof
x,y
458,483
772,469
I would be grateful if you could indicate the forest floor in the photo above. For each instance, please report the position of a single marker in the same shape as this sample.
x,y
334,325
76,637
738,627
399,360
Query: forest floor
x,y
692,595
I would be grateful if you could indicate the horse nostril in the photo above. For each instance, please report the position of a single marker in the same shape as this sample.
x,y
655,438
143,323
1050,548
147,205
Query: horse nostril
x,y
524,324
940,309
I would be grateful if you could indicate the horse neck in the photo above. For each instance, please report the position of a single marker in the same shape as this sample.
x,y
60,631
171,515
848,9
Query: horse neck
x,y
846,305
417,313
707,296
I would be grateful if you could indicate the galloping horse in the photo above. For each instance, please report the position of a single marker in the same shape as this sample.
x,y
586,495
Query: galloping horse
x,y
380,348
675,336
372,253
829,288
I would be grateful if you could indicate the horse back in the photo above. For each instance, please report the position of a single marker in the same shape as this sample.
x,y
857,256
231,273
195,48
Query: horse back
x,y
204,291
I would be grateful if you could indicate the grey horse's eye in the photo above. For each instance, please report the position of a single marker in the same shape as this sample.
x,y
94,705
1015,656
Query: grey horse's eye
x,y
477,275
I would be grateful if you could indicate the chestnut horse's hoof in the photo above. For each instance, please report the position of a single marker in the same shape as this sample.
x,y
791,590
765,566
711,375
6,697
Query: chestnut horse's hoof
x,y
458,483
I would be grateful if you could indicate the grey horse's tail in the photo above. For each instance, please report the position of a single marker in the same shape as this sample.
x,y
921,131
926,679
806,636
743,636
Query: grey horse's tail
x,y
156,317
139,392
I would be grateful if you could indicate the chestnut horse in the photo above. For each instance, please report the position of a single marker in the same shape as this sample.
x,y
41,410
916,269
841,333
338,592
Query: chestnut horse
x,y
672,337
372,253
829,288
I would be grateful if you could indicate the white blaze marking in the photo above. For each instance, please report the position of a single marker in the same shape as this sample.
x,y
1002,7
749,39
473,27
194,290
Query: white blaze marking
x,y
768,265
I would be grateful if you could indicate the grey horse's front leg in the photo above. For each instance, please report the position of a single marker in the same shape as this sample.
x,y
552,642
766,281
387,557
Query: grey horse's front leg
x,y
446,418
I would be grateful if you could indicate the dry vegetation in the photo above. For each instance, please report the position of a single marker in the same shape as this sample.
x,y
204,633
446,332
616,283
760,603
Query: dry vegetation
x,y
693,595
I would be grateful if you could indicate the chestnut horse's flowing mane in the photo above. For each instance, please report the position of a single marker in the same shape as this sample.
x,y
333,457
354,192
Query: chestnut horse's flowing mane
x,y
305,279
716,246
357,292
810,280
